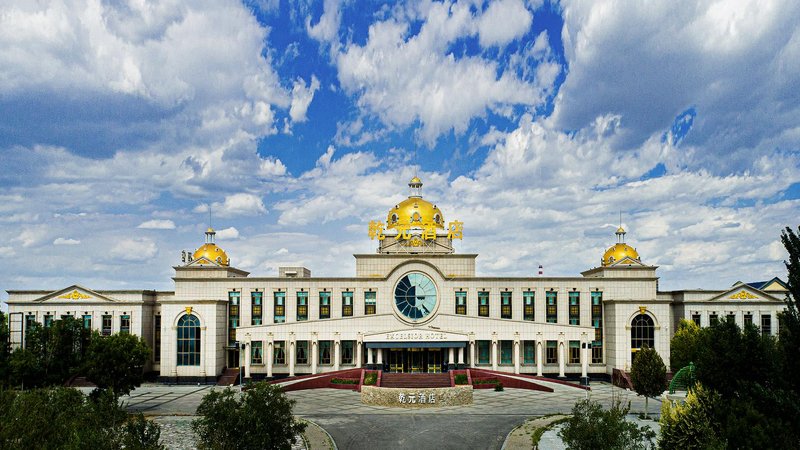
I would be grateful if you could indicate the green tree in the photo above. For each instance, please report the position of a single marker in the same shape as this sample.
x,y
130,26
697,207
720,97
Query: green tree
x,y
116,362
64,418
51,355
691,425
593,428
261,417
648,375
683,347
789,329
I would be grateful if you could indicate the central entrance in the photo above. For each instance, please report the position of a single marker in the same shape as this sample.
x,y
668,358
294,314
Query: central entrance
x,y
417,360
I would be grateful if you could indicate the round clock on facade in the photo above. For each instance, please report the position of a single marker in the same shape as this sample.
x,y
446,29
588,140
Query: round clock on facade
x,y
415,296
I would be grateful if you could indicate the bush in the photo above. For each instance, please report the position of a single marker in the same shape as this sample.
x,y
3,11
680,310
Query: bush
x,y
498,387
259,418
683,347
370,378
593,428
344,381
690,425
461,379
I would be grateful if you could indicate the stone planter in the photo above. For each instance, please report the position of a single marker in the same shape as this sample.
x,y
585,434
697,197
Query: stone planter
x,y
416,397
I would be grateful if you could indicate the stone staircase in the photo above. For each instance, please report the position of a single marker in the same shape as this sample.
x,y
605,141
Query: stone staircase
x,y
229,377
415,380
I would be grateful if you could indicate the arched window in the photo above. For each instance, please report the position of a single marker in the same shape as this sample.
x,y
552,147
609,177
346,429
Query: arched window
x,y
642,333
189,340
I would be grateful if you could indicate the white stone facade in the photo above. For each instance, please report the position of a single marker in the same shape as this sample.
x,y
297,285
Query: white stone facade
x,y
204,290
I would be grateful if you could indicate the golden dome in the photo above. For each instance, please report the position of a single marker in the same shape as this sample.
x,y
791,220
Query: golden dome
x,y
415,211
212,253
618,252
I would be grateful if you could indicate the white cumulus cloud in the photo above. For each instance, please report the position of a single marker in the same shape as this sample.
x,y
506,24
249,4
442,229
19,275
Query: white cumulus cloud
x,y
66,241
157,224
134,250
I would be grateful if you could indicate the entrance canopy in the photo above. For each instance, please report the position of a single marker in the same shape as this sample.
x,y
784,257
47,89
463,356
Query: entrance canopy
x,y
415,344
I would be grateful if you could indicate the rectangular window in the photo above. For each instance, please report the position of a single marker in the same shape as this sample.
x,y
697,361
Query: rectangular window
x,y
505,305
713,319
483,304
48,320
30,319
347,304
87,321
257,352
766,324
748,319
256,299
484,351
369,303
301,352
597,324
731,318
574,308
552,352
597,352
347,351
279,298
325,353
506,352
279,353
324,305
574,352
157,338
461,303
125,323
696,318
528,312
233,315
552,307
106,330
529,352
302,306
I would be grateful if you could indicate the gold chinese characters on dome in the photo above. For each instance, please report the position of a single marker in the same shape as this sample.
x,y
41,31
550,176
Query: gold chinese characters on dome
x,y
415,220
75,295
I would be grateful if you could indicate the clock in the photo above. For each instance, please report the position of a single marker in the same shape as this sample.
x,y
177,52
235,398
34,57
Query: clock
x,y
415,296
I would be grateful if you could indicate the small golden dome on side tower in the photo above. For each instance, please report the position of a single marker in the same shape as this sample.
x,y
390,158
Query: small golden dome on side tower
x,y
211,251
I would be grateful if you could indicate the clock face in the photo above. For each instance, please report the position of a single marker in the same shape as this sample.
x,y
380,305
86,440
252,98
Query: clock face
x,y
415,296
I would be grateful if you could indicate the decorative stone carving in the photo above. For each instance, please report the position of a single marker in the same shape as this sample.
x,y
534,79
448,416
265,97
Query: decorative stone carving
x,y
416,397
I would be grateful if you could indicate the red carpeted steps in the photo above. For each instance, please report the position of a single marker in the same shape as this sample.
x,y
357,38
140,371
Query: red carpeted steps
x,y
415,380
229,377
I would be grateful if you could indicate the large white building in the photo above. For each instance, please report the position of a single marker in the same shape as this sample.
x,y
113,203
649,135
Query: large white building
x,y
413,306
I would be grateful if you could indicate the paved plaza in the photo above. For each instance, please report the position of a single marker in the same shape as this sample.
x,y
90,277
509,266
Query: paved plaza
x,y
482,425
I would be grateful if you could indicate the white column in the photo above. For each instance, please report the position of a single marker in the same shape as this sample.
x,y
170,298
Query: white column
x,y
369,357
460,356
380,358
314,355
336,355
561,359
494,354
269,358
247,355
359,344
539,358
472,354
516,356
292,355
450,357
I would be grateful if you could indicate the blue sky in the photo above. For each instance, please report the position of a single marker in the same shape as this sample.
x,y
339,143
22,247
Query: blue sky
x,y
534,122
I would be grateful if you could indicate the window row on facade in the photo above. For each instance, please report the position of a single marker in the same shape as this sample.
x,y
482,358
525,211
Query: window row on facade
x,y
762,321
106,322
346,305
